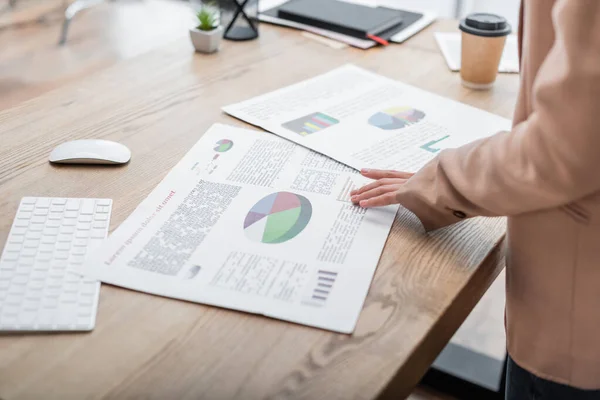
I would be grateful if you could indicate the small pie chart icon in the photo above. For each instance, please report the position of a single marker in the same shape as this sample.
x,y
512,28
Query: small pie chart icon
x,y
223,145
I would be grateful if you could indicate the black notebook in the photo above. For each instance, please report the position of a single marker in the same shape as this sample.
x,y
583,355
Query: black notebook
x,y
338,16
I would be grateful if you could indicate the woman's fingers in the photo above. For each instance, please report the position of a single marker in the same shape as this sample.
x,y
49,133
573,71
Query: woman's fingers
x,y
377,191
382,173
380,201
377,183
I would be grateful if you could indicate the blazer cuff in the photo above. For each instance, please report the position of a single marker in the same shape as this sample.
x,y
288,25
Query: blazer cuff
x,y
431,217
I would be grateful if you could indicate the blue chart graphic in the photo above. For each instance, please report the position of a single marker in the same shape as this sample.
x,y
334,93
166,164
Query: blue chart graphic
x,y
396,118
429,145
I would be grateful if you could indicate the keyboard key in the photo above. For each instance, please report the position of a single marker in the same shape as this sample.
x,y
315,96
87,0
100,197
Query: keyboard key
x,y
66,245
46,248
42,202
43,257
53,223
98,234
72,204
61,255
69,222
42,212
76,259
102,209
87,207
99,224
55,216
78,251
17,231
26,207
50,231
24,215
82,234
10,256
26,261
57,208
85,218
28,200
59,202
37,219
28,251
71,214
66,230
12,247
36,227
31,244
64,237
101,217
84,226
48,239
21,223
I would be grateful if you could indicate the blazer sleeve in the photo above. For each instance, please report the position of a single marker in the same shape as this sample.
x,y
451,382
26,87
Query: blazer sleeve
x,y
550,159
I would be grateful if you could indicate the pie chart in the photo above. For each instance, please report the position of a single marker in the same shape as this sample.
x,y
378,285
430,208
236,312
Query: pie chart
x,y
396,118
223,145
277,218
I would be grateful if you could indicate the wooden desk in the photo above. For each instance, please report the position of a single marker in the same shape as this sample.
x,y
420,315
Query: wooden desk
x,y
159,104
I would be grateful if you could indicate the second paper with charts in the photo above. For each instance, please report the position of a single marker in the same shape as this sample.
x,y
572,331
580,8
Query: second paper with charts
x,y
252,222
365,120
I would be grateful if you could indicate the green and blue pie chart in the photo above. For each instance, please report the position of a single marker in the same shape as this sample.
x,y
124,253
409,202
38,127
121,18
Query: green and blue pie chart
x,y
277,218
223,145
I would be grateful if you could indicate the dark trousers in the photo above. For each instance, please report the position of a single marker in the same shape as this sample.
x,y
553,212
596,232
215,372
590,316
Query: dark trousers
x,y
523,385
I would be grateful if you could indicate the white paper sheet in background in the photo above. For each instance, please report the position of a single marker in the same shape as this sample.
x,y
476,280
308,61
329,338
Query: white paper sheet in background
x,y
365,120
252,222
450,46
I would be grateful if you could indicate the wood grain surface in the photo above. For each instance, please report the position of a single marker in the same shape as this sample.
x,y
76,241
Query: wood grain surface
x,y
159,104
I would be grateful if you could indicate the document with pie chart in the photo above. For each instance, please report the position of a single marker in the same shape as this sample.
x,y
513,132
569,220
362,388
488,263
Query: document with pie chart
x,y
252,222
366,120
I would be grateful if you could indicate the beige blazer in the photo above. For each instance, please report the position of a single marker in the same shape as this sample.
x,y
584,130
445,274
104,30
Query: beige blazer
x,y
545,176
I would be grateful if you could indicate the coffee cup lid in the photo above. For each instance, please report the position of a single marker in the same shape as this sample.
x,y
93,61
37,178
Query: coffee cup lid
x,y
483,24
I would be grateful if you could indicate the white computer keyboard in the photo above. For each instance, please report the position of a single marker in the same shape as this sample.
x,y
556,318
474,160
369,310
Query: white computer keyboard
x,y
49,239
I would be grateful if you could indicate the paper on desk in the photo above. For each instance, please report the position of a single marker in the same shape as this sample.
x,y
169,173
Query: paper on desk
x,y
450,46
400,37
365,120
252,222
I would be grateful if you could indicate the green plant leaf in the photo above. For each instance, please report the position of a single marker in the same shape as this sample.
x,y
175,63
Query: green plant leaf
x,y
207,17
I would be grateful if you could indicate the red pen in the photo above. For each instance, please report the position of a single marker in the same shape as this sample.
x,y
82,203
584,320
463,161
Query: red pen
x,y
378,39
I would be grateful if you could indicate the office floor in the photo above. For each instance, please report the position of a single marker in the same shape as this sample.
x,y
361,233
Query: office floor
x,y
31,63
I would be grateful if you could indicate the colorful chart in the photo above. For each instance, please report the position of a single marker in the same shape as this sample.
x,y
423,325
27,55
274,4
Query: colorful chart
x,y
396,118
278,217
433,146
310,124
223,145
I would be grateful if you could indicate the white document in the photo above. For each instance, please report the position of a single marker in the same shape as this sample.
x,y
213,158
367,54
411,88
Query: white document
x,y
255,223
400,37
365,120
450,46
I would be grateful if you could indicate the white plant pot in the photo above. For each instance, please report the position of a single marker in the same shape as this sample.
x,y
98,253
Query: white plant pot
x,y
206,41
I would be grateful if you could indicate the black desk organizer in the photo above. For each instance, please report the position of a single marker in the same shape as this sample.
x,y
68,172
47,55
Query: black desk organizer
x,y
240,19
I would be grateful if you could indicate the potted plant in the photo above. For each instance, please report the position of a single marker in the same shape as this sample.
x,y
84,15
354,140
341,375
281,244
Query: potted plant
x,y
206,37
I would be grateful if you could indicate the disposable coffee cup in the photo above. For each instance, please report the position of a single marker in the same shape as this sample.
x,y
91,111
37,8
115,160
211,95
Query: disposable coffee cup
x,y
483,39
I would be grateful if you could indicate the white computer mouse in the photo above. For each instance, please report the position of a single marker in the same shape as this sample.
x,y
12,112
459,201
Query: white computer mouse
x,y
90,151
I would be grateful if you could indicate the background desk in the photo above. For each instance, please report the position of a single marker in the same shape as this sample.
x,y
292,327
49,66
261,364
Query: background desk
x,y
159,104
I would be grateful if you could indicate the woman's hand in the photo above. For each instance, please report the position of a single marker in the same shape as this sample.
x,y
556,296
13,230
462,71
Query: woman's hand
x,y
382,192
